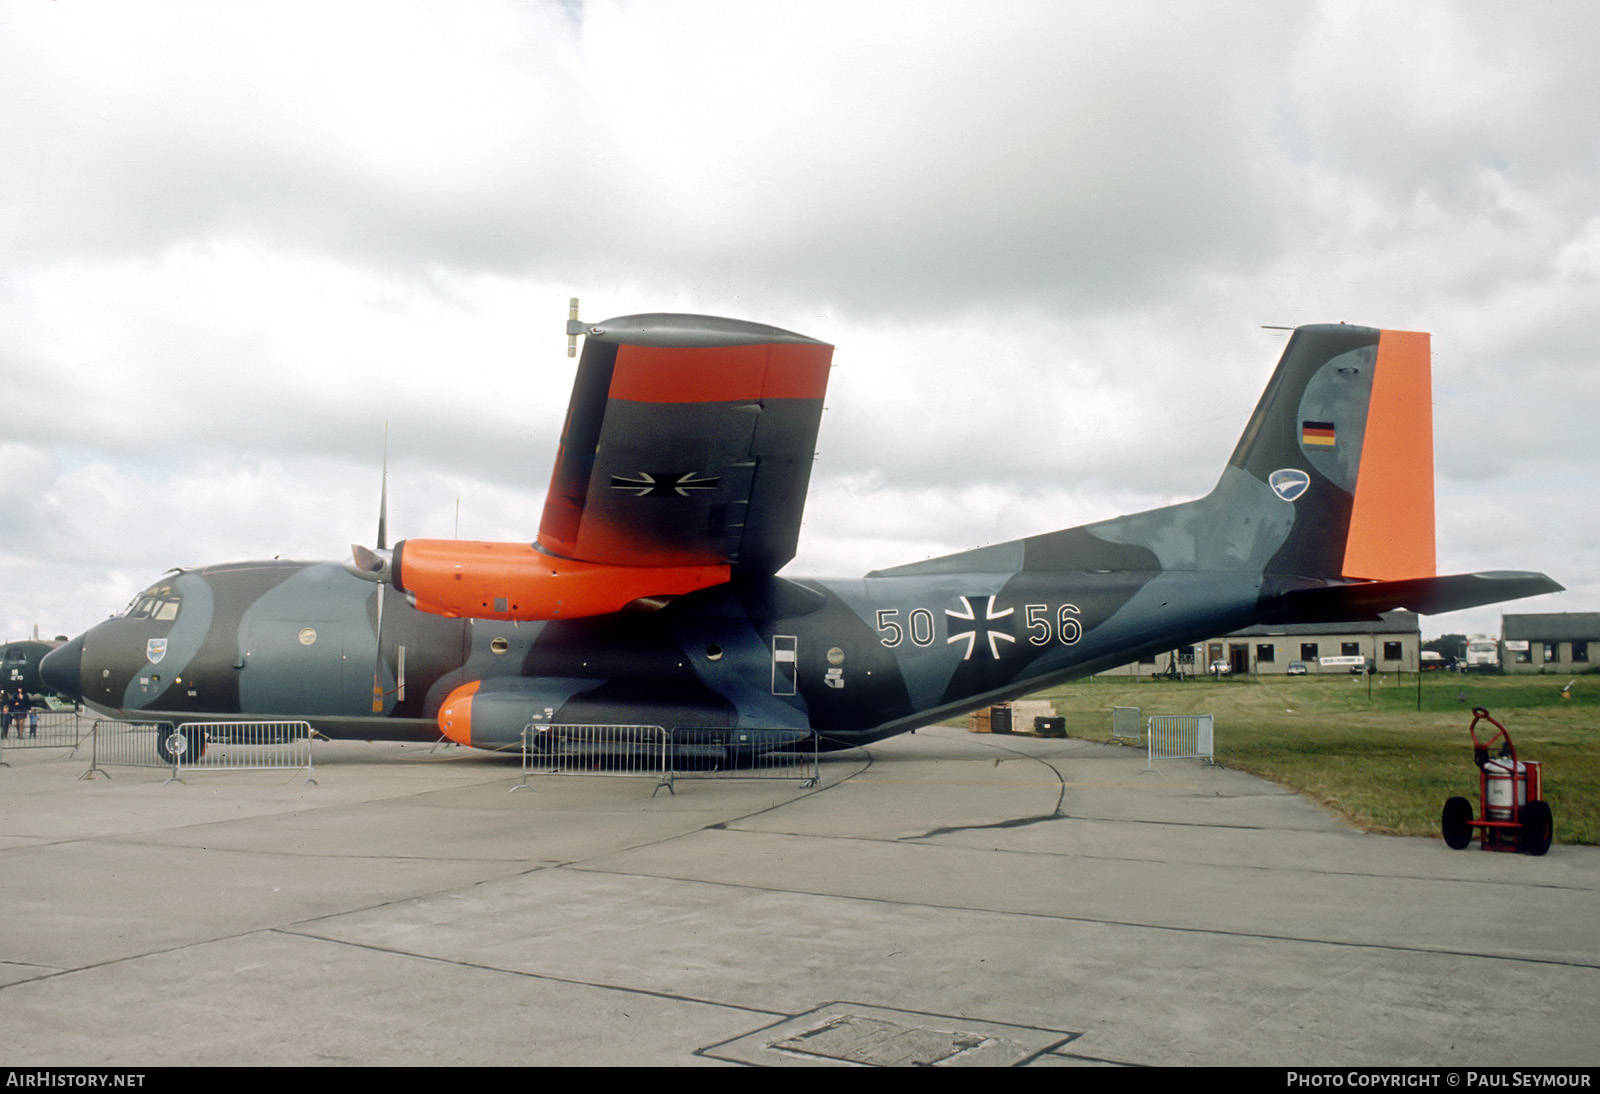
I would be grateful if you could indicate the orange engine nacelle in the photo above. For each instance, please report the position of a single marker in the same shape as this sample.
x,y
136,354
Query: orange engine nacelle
x,y
482,580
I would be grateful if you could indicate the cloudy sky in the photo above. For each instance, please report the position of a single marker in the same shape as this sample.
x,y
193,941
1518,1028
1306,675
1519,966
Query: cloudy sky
x,y
236,239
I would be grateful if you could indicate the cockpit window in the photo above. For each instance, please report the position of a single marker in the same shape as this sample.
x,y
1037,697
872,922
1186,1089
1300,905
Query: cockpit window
x,y
159,602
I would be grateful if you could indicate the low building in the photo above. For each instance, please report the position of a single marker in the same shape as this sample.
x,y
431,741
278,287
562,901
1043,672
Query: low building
x,y
1392,644
1551,642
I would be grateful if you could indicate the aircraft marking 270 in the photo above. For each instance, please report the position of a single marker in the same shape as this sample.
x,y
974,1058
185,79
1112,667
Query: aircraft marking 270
x,y
652,593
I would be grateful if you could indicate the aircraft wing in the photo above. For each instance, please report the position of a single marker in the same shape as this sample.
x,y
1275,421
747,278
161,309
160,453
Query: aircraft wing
x,y
689,442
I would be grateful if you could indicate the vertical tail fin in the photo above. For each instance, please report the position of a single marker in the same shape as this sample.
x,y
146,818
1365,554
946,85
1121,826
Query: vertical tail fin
x,y
1344,432
1332,479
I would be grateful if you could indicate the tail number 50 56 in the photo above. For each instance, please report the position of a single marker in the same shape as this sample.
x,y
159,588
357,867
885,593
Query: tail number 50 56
x,y
1044,623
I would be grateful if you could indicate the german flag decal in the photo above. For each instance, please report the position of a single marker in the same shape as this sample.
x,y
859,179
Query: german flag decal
x,y
1317,433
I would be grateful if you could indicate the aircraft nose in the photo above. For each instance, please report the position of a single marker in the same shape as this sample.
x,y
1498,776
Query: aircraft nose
x,y
61,667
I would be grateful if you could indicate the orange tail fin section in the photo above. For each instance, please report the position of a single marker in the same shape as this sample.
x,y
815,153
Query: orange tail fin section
x,y
1391,533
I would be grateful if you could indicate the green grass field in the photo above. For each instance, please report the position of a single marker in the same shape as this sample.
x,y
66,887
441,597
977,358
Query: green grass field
x,y
1369,753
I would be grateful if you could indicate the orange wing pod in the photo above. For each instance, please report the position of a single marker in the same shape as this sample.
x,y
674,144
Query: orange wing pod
x,y
483,580
455,715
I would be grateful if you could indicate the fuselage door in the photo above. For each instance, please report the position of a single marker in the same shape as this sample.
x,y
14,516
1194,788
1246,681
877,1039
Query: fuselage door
x,y
300,665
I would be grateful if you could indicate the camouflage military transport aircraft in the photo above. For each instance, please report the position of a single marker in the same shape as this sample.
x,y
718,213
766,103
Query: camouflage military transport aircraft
x,y
651,594
20,664
19,667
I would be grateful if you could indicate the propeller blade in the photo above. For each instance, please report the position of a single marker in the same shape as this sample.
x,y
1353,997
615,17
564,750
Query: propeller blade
x,y
383,495
377,666
377,565
371,564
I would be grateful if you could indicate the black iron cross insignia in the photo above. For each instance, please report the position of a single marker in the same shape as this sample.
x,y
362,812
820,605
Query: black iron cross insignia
x,y
664,484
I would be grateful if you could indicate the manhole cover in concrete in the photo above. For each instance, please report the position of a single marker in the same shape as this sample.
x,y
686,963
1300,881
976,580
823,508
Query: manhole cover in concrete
x,y
848,1033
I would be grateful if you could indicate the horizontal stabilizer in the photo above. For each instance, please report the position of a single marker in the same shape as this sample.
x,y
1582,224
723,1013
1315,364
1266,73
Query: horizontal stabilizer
x,y
1424,595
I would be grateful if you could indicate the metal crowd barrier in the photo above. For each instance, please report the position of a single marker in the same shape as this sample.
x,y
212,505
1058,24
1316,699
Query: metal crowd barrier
x,y
746,754
667,755
200,746
126,744
241,746
41,729
570,749
1181,737
1125,724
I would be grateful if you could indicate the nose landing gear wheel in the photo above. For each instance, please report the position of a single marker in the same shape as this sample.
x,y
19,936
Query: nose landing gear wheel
x,y
182,744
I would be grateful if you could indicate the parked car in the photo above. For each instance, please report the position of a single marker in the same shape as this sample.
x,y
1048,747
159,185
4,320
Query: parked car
x,y
1219,668
1298,668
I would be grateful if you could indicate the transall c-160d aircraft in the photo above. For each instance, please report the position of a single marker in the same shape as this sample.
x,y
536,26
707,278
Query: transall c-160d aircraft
x,y
652,594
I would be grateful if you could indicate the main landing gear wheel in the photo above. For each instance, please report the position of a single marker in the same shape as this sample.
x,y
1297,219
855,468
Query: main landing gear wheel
x,y
1538,828
1457,823
184,744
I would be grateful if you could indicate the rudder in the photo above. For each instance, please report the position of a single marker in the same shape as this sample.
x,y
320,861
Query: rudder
x,y
1392,522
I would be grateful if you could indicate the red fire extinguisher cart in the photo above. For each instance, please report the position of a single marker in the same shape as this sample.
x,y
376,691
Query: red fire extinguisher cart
x,y
1513,813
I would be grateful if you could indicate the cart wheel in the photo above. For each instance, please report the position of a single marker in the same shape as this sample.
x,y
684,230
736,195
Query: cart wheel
x,y
1538,828
1457,823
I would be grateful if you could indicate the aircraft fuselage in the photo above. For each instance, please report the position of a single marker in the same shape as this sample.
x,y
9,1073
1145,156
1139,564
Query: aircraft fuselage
x,y
856,660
